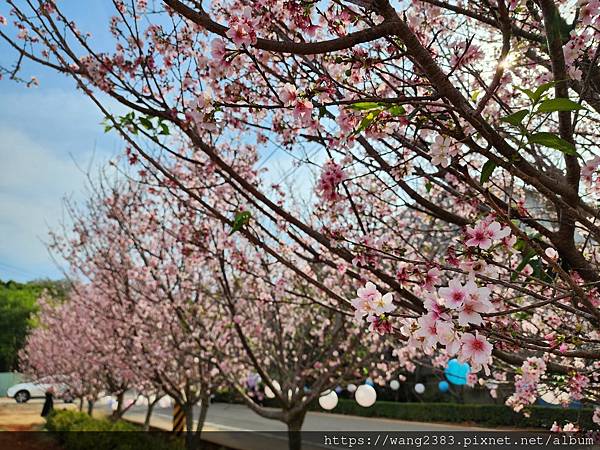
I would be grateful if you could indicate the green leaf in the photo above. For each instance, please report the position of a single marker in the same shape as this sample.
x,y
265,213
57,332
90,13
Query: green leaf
x,y
536,95
242,218
526,258
528,92
516,118
127,118
366,121
397,110
553,141
486,171
520,244
541,90
558,104
164,129
365,106
146,123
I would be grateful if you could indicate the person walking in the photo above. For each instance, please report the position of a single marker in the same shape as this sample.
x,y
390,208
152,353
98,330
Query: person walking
x,y
49,403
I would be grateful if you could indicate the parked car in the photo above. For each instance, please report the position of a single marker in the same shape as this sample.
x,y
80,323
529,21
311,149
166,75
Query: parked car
x,y
22,392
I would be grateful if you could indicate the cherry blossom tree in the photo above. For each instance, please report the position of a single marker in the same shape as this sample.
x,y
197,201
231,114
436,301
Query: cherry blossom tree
x,y
451,148
123,245
285,332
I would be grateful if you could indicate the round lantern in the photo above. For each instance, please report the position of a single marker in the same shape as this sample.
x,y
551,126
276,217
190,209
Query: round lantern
x,y
351,388
553,396
419,388
328,401
443,386
164,402
456,372
365,395
394,385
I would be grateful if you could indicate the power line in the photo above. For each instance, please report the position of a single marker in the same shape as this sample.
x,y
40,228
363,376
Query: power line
x,y
18,270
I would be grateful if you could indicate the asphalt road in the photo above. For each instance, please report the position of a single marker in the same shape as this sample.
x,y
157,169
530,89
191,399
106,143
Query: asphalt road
x,y
228,420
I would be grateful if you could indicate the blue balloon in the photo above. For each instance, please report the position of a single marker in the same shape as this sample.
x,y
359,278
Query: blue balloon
x,y
443,386
456,372
370,382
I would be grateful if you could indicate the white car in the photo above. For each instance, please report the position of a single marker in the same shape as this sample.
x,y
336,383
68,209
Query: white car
x,y
22,392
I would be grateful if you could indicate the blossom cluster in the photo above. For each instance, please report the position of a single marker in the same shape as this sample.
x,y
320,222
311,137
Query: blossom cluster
x,y
484,233
526,383
332,176
242,29
303,107
437,326
442,150
375,306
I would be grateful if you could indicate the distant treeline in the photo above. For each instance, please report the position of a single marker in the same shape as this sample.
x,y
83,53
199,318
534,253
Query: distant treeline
x,y
18,305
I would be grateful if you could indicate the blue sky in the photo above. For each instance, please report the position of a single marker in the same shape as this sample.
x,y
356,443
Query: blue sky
x,y
49,135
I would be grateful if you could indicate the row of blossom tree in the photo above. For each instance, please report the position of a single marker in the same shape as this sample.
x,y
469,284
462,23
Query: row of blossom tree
x,y
452,148
166,300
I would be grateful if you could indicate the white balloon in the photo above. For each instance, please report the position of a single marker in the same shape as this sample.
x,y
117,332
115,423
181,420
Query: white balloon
x,y
365,395
553,396
328,401
351,388
419,388
395,385
269,393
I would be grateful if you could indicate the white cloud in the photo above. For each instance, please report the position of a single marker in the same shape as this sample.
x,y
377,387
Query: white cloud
x,y
46,138
33,182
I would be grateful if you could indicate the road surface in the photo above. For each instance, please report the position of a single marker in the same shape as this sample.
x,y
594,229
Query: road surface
x,y
226,424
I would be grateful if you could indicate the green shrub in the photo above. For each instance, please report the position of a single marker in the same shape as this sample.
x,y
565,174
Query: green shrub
x,y
480,414
78,431
484,414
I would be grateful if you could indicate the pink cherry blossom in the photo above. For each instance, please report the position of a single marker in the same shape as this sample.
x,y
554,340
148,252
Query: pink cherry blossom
x,y
475,349
372,304
483,234
288,95
455,294
475,303
427,330
596,416
380,325
331,178
385,304
447,336
432,277
303,110
442,149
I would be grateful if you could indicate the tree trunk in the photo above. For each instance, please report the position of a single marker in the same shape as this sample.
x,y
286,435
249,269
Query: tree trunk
x,y
190,442
204,403
80,404
90,407
117,413
294,425
149,412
